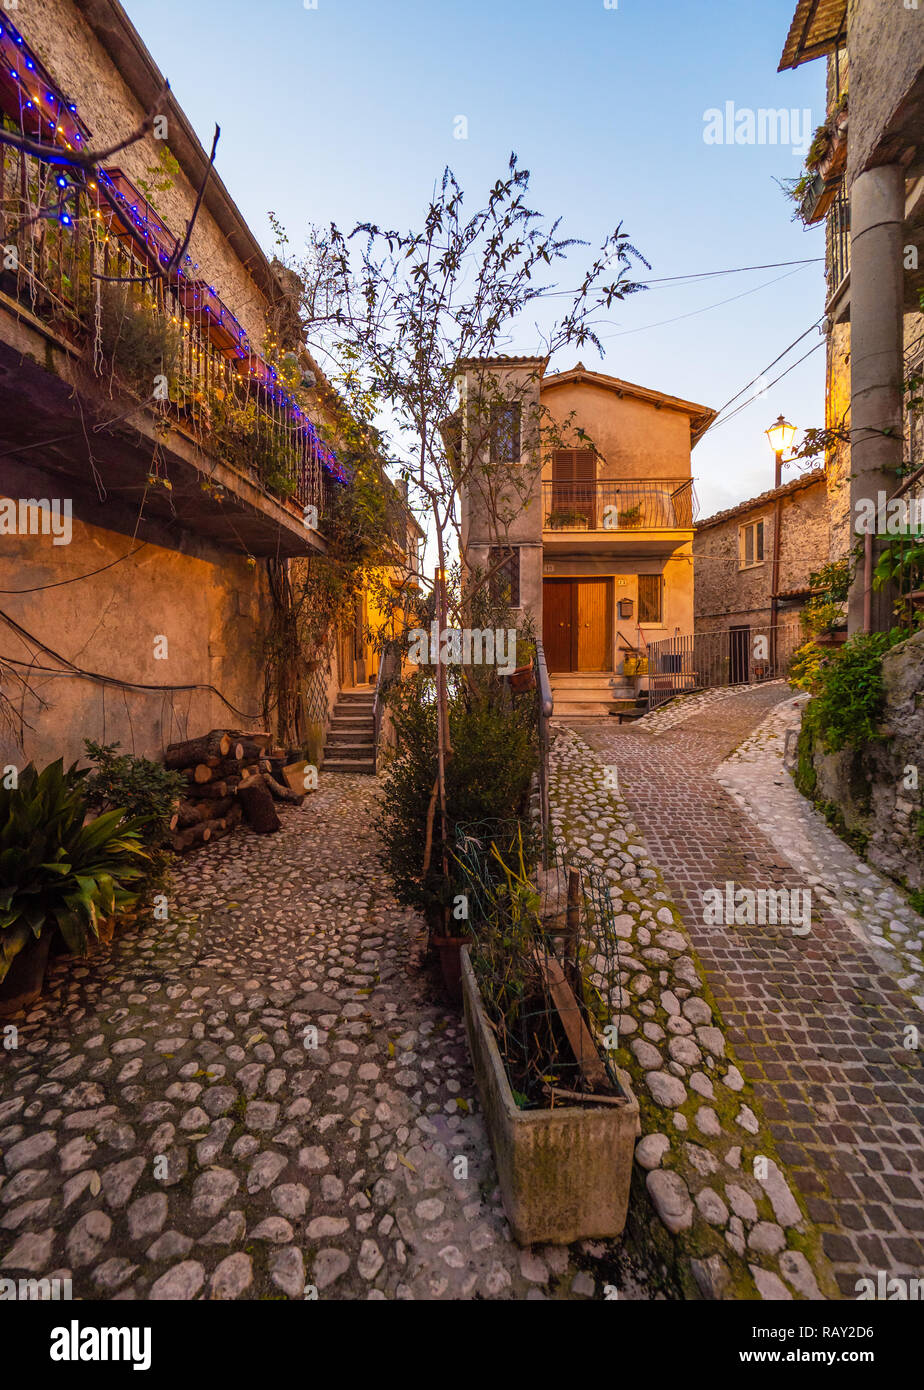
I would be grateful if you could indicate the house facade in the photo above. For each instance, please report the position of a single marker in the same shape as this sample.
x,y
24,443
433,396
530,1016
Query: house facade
x,y
597,520
753,564
865,184
152,397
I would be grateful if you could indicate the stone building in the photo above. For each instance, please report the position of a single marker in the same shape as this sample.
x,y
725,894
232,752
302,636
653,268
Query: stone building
x,y
591,500
752,565
866,184
186,472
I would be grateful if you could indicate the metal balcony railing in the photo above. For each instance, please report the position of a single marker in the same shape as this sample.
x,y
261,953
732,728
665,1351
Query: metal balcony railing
x,y
619,505
65,253
838,237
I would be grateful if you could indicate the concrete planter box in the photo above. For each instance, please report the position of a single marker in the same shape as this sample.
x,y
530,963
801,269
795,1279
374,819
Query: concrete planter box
x,y
564,1173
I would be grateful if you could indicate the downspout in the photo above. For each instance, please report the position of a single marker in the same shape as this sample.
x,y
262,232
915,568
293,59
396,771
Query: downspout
x,y
775,568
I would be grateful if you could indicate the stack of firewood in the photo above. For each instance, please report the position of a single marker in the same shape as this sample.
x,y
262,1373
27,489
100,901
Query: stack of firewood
x,y
230,777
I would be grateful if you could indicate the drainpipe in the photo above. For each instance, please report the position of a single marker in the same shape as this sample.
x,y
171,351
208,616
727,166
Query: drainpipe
x,y
775,568
877,206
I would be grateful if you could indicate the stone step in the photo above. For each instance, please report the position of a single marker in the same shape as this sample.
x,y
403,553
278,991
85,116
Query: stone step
x,y
345,747
357,697
351,721
364,765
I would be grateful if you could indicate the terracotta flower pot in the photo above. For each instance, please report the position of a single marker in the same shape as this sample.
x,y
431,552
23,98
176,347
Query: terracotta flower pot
x,y
25,978
523,678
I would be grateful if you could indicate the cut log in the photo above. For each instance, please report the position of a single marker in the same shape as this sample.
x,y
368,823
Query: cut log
x,y
203,773
258,806
217,744
280,792
248,750
195,835
214,791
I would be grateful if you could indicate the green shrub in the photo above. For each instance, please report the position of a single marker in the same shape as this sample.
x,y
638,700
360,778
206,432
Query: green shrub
x,y
849,692
138,341
495,754
145,791
57,873
805,669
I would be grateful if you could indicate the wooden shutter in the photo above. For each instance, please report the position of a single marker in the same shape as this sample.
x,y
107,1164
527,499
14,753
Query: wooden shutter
x,y
649,598
574,473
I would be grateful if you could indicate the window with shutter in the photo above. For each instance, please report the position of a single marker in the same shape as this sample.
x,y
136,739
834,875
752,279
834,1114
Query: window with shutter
x,y
650,591
574,473
751,544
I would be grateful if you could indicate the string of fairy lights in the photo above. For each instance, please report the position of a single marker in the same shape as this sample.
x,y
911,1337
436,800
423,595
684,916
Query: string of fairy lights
x,y
51,119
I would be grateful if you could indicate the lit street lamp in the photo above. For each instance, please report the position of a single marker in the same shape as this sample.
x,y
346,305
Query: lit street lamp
x,y
781,435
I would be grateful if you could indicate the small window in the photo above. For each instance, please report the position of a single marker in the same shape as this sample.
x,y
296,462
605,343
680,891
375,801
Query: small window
x,y
505,433
650,592
751,542
505,580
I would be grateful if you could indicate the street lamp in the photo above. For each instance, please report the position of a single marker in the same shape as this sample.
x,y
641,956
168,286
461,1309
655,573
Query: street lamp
x,y
781,435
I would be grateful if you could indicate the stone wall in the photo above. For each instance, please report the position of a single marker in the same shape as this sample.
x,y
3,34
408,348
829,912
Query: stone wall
x,y
723,590
868,789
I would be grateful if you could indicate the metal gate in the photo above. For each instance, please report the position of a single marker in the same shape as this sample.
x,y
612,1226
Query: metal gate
x,y
733,656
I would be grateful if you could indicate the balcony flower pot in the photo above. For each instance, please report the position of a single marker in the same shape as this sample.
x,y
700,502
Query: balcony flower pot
x,y
564,1173
25,979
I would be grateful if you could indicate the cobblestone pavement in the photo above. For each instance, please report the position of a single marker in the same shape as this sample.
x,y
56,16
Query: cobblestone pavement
x,y
169,1130
818,1026
872,906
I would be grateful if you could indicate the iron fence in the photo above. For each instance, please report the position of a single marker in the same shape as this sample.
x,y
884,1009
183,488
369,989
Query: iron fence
x,y
838,238
619,505
743,655
66,254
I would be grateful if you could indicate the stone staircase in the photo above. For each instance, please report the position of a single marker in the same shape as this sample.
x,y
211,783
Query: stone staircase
x,y
590,695
350,743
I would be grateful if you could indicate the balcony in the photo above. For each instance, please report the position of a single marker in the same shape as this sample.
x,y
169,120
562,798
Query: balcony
x,y
649,516
838,256
213,443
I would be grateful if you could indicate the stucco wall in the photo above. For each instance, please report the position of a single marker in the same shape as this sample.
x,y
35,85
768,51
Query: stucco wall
x,y
723,589
209,605
67,46
635,439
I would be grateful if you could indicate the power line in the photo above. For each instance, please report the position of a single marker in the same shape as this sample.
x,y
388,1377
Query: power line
x,y
663,323
744,405
769,368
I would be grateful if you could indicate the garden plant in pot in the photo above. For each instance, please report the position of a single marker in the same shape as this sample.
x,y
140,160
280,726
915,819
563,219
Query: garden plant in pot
x,y
61,875
540,980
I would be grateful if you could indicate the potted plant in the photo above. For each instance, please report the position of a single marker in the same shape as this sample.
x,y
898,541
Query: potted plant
x,y
524,677
60,875
631,516
564,518
537,978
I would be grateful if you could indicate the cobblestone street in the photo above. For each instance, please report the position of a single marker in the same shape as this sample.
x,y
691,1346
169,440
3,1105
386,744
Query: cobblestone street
x,y
817,1022
168,1130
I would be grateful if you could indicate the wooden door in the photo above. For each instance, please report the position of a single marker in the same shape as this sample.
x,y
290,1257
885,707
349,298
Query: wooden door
x,y
557,626
592,619
574,488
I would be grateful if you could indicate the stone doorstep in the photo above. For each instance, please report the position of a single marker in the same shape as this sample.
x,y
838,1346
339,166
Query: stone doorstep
x,y
684,1196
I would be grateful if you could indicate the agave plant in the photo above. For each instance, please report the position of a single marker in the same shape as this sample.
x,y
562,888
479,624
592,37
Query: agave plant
x,y
57,873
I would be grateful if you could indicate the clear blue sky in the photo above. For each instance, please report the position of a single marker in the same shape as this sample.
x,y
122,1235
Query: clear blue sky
x,y
346,112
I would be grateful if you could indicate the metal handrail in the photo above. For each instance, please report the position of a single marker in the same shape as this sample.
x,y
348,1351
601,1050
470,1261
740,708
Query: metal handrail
x,y
619,504
546,710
